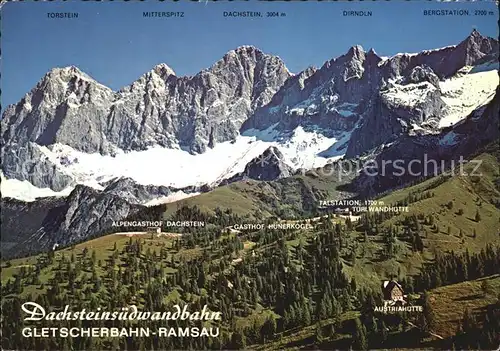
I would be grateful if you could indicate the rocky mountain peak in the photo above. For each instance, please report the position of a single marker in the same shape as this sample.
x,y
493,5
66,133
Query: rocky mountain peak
x,y
475,34
476,47
163,70
65,75
246,89
158,109
245,50
372,58
476,39
65,71
246,55
353,66
61,108
356,51
62,83
267,166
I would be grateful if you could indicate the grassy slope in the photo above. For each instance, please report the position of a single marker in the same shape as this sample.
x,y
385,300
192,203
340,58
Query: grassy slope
x,y
292,196
469,193
450,302
466,192
237,196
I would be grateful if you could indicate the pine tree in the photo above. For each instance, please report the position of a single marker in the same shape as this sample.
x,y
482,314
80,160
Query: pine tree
x,y
307,316
478,216
360,339
428,315
319,333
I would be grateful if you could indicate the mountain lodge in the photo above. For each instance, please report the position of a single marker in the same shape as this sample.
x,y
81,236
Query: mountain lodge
x,y
392,290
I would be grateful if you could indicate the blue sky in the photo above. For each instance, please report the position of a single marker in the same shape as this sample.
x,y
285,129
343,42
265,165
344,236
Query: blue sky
x,y
113,43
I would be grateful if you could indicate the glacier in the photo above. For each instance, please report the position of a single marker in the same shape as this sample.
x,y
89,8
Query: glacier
x,y
177,168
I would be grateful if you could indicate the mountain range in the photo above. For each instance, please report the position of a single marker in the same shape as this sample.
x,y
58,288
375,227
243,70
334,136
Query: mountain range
x,y
165,137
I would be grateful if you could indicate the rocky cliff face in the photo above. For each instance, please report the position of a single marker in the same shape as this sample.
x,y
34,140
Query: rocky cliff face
x,y
327,97
27,162
66,106
431,153
21,220
195,112
134,193
268,166
376,99
358,102
39,225
159,109
445,62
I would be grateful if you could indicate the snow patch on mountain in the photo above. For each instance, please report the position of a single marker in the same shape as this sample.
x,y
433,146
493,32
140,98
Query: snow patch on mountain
x,y
409,95
153,166
337,150
304,106
425,52
269,135
175,167
472,87
24,190
302,149
178,195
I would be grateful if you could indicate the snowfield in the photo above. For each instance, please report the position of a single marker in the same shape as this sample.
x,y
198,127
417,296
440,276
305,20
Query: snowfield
x,y
24,190
469,89
465,92
409,95
175,167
